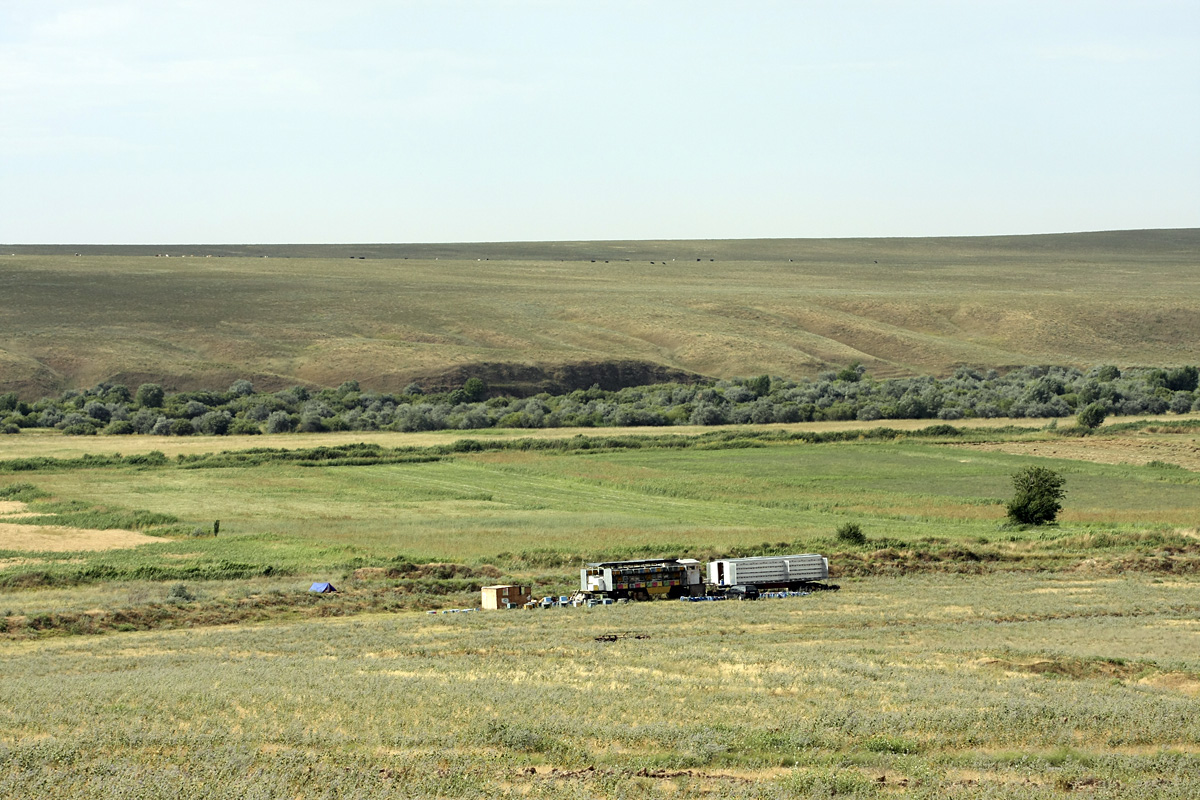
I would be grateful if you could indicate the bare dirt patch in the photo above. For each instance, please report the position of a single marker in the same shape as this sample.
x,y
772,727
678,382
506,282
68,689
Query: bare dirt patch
x,y
1079,669
45,538
1124,450
11,507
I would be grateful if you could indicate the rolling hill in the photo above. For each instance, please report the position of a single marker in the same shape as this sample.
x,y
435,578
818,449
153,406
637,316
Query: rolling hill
x,y
556,315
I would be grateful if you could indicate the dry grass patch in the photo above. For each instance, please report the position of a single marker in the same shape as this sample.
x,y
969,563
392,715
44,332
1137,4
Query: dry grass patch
x,y
54,539
1139,673
1175,682
1182,451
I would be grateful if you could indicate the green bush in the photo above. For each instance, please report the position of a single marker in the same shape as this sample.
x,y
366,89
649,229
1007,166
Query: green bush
x,y
1091,416
241,388
213,423
1038,492
150,395
1183,379
475,389
279,422
244,427
761,386
851,374
851,533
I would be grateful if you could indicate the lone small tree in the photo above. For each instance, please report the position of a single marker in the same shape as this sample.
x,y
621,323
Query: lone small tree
x,y
1091,416
1039,491
475,389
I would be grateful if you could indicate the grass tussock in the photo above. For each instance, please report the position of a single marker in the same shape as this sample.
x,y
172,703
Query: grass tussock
x,y
22,492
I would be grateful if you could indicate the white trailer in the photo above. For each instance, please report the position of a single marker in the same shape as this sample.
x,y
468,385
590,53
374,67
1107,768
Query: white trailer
x,y
769,571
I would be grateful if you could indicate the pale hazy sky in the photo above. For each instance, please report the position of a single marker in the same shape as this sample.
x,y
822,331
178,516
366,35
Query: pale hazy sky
x,y
221,121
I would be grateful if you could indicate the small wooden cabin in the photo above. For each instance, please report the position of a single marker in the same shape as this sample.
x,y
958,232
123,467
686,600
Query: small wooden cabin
x,y
505,596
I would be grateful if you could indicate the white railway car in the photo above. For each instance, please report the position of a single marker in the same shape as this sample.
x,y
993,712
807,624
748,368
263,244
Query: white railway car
x,y
769,572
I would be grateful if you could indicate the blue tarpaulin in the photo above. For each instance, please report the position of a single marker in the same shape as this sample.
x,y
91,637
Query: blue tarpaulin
x,y
323,588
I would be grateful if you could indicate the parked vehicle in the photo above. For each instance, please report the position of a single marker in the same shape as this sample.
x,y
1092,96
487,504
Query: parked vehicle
x,y
742,591
649,579
644,579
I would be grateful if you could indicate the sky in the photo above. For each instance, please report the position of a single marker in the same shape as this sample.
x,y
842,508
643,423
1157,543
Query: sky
x,y
273,121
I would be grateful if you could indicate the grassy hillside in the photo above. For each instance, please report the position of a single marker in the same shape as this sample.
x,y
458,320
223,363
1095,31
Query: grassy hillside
x,y
388,314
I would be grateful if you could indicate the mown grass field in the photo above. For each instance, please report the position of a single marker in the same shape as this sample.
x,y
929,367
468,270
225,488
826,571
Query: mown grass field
x,y
723,309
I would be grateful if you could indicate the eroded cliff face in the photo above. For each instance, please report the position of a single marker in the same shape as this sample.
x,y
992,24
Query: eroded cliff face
x,y
523,380
31,380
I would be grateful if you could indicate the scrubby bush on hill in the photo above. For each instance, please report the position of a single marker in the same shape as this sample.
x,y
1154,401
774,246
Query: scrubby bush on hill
x,y
150,395
279,422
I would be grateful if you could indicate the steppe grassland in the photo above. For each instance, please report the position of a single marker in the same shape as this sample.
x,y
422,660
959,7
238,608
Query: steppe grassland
x,y
898,306
982,686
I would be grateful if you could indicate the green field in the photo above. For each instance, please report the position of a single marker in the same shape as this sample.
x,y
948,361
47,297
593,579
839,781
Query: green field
x,y
475,507
925,504
517,314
